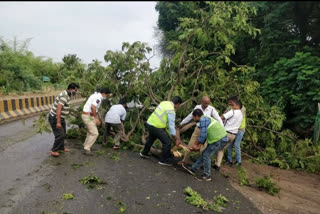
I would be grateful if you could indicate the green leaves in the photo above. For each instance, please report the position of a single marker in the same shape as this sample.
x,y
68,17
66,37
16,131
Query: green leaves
x,y
243,176
92,182
68,196
195,199
293,81
267,185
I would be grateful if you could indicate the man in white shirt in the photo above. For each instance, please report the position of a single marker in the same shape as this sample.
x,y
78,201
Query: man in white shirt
x,y
114,119
90,118
232,121
207,110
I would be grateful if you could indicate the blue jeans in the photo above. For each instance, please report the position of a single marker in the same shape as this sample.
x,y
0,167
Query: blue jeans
x,y
236,143
205,158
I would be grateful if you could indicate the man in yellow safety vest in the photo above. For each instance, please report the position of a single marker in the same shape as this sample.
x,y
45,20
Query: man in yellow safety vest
x,y
163,116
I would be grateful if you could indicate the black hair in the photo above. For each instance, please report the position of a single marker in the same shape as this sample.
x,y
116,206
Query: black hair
x,y
197,112
72,86
233,98
238,103
177,100
122,101
105,91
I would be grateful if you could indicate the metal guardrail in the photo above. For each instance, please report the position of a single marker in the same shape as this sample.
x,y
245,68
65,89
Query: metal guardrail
x,y
18,108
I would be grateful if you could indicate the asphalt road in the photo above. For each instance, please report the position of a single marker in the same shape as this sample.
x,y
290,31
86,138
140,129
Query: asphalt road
x,y
33,182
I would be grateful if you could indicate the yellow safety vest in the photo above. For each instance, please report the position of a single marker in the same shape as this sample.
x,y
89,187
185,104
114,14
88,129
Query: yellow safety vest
x,y
159,118
215,131
243,123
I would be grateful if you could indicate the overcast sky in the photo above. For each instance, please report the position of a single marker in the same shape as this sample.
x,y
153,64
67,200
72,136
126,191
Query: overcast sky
x,y
87,29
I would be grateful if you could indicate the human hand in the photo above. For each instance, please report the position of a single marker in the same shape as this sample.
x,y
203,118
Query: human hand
x,y
98,122
195,147
59,126
177,142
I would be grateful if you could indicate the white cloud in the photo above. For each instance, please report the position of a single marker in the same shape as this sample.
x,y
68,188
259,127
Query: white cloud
x,y
87,29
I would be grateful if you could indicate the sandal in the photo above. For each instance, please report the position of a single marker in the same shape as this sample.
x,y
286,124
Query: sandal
x,y
181,162
115,147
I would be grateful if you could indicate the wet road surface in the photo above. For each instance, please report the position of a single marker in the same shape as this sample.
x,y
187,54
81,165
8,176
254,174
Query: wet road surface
x,y
33,182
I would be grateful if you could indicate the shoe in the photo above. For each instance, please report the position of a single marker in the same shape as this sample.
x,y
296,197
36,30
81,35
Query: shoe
x,y
115,147
143,156
66,150
237,164
189,169
229,163
166,163
54,154
203,178
217,168
87,152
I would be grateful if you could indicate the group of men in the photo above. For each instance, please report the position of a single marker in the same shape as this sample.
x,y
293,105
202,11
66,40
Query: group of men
x,y
213,134
90,117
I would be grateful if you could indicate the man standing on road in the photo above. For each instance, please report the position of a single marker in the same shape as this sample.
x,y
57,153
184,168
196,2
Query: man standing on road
x,y
57,114
90,117
217,138
162,117
232,121
114,118
207,110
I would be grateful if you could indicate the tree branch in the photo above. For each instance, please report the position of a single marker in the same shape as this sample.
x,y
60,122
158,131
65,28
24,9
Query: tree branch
x,y
179,65
137,121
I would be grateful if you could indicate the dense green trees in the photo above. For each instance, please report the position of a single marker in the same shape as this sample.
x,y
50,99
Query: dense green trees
x,y
288,29
277,43
21,71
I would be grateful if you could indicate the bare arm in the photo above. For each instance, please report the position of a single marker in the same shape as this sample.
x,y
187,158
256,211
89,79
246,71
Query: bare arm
x,y
58,112
94,111
216,116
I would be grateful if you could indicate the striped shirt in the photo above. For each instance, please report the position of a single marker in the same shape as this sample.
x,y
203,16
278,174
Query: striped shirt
x,y
64,100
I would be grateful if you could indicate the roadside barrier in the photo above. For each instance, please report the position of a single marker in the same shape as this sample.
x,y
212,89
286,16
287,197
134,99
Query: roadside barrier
x,y
22,107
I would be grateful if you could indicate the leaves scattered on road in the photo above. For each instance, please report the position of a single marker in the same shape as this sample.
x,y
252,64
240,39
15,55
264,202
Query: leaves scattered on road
x,y
68,196
194,198
92,182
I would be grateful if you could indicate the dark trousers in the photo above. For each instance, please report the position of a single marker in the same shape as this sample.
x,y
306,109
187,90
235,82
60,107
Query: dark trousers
x,y
118,133
162,135
59,134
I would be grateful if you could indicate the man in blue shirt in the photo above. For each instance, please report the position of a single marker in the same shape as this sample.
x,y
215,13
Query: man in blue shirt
x,y
215,133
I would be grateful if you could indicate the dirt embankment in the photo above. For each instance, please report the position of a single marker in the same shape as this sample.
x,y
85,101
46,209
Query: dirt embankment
x,y
299,192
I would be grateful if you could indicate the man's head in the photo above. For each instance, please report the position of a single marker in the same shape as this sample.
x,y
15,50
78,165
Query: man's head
x,y
176,102
233,99
105,92
72,89
235,103
123,102
197,114
205,102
